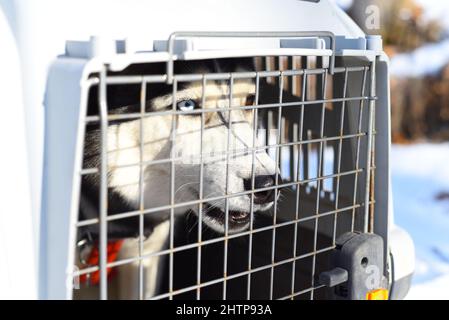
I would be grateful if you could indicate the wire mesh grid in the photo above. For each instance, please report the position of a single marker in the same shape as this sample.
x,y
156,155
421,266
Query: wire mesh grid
x,y
318,129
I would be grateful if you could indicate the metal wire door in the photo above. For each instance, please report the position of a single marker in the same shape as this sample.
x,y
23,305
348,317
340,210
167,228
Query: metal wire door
x,y
316,125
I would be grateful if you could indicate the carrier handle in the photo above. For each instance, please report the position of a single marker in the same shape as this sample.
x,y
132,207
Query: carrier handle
x,y
247,34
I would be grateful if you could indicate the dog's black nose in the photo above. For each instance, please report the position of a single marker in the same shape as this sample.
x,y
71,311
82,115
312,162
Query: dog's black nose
x,y
260,182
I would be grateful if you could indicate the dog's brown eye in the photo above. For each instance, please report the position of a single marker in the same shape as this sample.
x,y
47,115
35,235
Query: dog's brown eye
x,y
250,100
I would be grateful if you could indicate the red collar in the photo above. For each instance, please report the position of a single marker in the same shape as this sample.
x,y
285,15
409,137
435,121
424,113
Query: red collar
x,y
93,278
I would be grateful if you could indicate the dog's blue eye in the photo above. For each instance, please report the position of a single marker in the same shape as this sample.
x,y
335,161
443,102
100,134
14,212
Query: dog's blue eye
x,y
186,105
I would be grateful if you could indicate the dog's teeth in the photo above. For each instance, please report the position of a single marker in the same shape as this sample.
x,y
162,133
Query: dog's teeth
x,y
238,215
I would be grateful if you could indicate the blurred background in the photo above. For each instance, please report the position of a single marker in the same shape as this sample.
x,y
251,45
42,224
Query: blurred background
x,y
416,38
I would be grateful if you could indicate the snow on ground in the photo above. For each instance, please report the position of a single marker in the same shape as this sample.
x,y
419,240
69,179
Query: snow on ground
x,y
420,173
436,289
426,60
430,58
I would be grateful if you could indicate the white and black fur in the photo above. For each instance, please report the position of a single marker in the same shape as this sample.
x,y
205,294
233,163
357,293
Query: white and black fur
x,y
124,149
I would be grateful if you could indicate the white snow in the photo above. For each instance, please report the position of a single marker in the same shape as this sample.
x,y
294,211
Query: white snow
x,y
430,58
436,289
436,10
426,60
419,173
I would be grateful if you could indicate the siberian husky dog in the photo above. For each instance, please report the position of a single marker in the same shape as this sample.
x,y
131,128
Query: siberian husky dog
x,y
204,140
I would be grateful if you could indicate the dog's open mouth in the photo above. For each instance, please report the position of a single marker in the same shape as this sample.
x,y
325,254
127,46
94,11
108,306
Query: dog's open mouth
x,y
236,219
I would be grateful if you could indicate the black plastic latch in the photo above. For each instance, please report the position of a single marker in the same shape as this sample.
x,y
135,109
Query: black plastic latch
x,y
357,264
333,277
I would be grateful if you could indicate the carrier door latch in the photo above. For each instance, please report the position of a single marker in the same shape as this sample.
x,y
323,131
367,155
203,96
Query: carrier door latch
x,y
358,268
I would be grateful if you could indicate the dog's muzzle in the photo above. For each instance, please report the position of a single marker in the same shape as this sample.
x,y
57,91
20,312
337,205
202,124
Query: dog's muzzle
x,y
263,182
239,220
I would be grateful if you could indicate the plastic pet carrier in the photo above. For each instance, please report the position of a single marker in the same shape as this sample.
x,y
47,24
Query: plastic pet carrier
x,y
187,151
